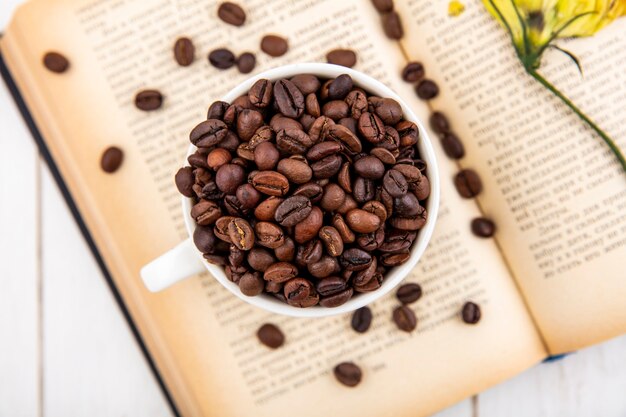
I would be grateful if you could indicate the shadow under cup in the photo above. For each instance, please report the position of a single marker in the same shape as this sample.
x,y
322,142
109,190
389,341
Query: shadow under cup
x,y
392,277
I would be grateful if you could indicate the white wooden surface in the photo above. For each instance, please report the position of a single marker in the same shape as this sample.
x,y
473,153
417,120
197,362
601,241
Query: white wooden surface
x,y
65,349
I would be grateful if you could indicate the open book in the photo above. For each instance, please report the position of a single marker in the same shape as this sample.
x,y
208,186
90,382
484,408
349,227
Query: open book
x,y
553,279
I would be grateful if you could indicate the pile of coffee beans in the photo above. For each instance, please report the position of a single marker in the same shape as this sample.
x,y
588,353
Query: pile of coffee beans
x,y
306,189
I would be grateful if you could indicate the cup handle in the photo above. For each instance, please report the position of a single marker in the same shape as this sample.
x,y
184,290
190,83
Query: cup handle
x,y
179,262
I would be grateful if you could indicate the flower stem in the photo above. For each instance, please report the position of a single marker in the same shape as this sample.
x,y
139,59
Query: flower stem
x,y
580,114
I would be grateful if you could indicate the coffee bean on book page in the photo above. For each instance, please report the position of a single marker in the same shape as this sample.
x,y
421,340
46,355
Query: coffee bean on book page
x,y
56,62
246,62
344,57
361,319
409,293
383,6
392,25
452,146
274,45
184,51
222,58
404,318
348,374
231,13
147,100
468,183
483,227
270,335
439,123
111,159
471,313
413,71
427,89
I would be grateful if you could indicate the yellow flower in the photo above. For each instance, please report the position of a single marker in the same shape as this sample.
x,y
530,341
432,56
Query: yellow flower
x,y
535,23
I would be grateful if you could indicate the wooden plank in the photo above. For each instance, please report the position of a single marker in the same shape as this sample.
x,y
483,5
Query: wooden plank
x,y
93,365
19,268
591,382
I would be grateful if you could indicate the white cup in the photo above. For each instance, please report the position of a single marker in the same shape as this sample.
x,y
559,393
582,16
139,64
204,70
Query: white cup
x,y
185,260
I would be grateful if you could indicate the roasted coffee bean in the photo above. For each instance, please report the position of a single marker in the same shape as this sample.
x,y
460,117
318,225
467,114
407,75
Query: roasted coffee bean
x,y
184,51
468,183
326,167
241,234
148,100
369,167
409,134
269,235
270,335
231,13
371,241
56,62
391,139
394,259
452,146
332,240
112,158
320,128
483,227
287,251
471,313
413,71
293,210
342,227
221,228
274,288
236,256
344,57
354,259
348,374
204,239
251,284
387,109
205,212
344,136
312,299
222,58
427,89
397,241
395,183
262,134
246,62
293,141
421,189
234,274
309,252
260,259
333,197
198,160
339,88
230,142
367,279
248,121
229,177
280,272
306,120
371,128
343,177
383,6
350,123
266,156
411,222
326,266
363,190
335,110
218,157
312,107
357,103
406,205
322,150
271,183
439,123
306,83
385,156
274,45
280,122
392,25
297,289
308,228
233,206
267,208
296,171
248,196
404,318
411,173
310,190
409,293
201,176
377,208
338,299
330,285
361,319
261,93
208,133
218,260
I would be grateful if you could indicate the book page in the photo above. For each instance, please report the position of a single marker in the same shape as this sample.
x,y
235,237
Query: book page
x,y
553,187
202,337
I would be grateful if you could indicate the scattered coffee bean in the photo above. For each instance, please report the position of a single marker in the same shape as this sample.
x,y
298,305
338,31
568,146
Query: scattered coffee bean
x,y
222,58
392,25
413,72
56,62
383,6
147,100
404,318
345,57
274,45
184,51
112,158
246,62
231,13
439,123
409,293
348,374
470,313
483,227
361,319
452,146
427,89
270,335
468,183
